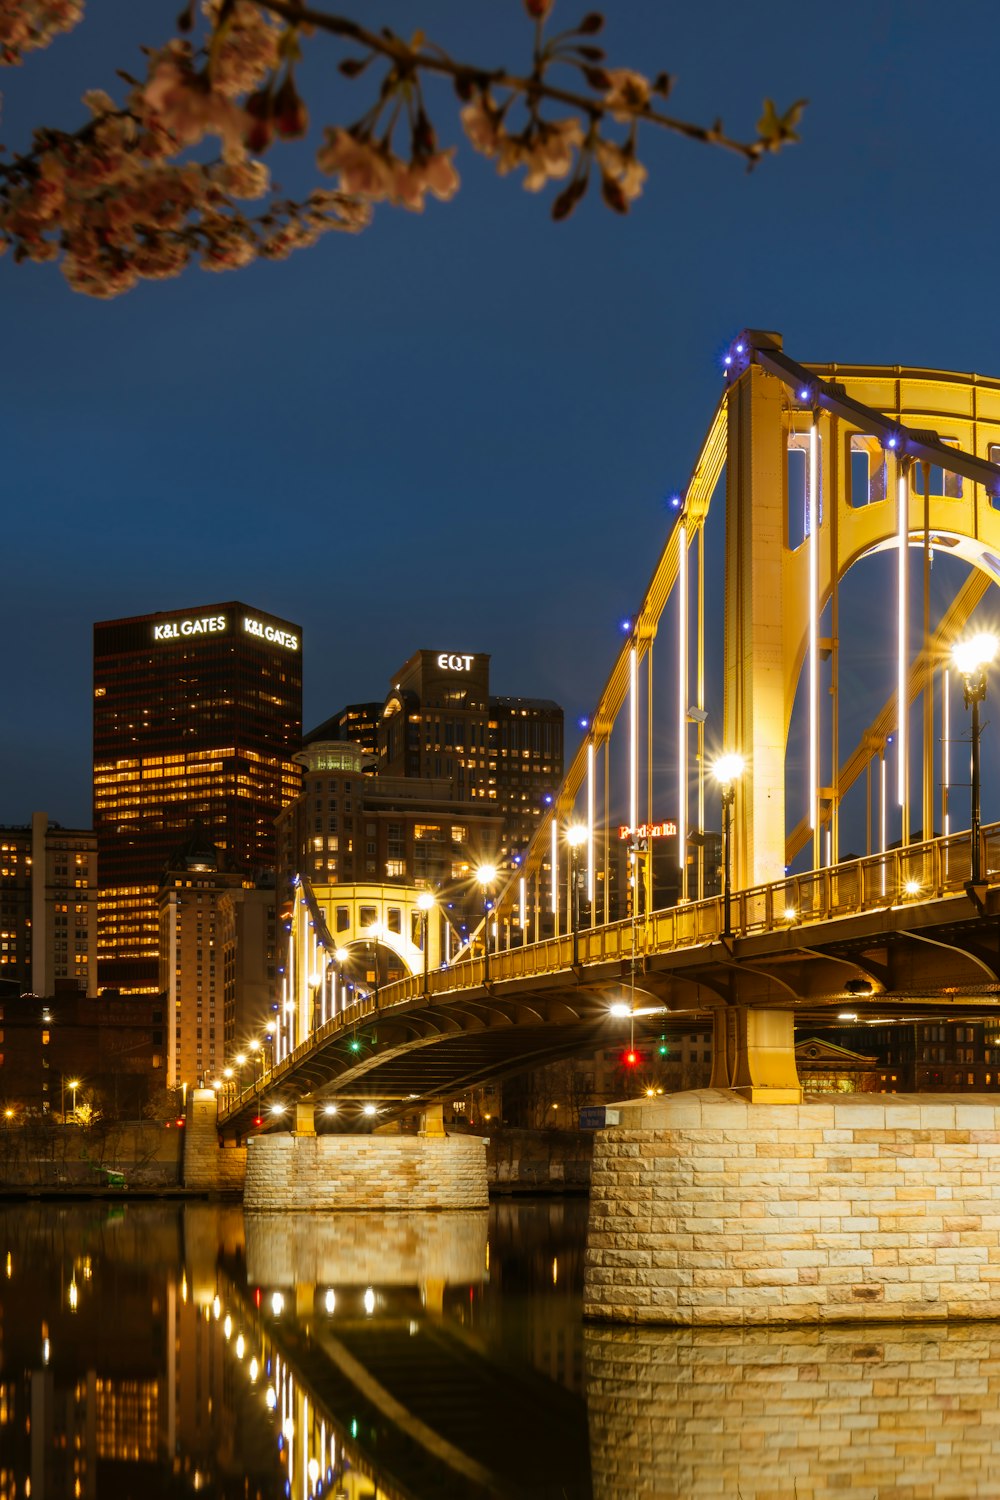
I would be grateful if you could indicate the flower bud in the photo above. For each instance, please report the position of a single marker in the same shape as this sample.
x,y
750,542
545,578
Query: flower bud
x,y
291,118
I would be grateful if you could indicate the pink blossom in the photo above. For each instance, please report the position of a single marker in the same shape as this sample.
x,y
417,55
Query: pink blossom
x,y
481,123
185,106
622,167
628,95
29,24
360,165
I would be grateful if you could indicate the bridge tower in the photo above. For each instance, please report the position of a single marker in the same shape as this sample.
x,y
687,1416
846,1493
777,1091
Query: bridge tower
x,y
756,713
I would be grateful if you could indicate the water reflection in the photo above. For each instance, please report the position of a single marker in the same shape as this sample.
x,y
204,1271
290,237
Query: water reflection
x,y
150,1350
894,1413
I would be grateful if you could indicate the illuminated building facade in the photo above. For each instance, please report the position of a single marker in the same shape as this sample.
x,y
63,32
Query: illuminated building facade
x,y
197,715
504,753
199,902
48,907
347,827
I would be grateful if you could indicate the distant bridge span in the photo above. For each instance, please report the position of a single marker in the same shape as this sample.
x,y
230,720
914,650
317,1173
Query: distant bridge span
x,y
890,935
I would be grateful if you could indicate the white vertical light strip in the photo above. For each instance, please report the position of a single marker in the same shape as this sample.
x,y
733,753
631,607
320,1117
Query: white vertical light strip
x,y
591,804
554,858
813,516
633,739
682,708
902,535
945,748
881,813
521,893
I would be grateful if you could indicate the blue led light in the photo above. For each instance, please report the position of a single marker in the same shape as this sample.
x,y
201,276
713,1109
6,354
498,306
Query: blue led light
x,y
740,348
584,721
728,359
626,626
892,442
548,799
804,394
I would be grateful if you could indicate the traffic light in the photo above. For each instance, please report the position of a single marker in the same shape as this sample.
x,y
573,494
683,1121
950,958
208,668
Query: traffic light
x,y
631,1057
663,1050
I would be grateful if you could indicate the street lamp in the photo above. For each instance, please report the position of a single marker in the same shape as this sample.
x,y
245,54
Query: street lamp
x,y
485,877
971,658
74,1084
727,771
426,903
577,835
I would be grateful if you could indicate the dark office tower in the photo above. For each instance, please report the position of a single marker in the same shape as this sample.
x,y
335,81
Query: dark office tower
x,y
197,718
358,723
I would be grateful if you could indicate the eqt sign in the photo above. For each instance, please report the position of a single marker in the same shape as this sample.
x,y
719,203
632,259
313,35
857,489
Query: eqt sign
x,y
450,661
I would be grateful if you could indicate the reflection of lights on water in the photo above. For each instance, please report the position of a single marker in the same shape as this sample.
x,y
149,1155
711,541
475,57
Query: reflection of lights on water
x,y
241,1347
216,1308
46,1351
254,1368
184,1286
331,1300
74,1295
88,1269
277,1303
288,1428
370,1301
271,1398
354,1427
414,1328
555,1270
313,1471
10,1266
227,1327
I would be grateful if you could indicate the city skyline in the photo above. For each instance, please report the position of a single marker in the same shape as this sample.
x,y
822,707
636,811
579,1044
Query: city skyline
x,y
463,428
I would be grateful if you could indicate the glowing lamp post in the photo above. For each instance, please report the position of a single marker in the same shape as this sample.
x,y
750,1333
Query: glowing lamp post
x,y
485,878
727,771
577,835
426,903
971,658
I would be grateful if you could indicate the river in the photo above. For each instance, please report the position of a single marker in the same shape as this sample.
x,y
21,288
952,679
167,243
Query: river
x,y
154,1349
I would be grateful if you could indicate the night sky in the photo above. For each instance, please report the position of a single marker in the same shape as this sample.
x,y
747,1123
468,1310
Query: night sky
x,y
460,429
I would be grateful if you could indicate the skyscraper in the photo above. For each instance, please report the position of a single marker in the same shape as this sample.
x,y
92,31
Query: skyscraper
x,y
197,718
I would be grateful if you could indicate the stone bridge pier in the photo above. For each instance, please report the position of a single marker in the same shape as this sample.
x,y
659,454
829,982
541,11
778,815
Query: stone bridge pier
x,y
710,1209
300,1170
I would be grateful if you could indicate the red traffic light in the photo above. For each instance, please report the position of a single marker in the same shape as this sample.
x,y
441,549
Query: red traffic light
x,y
631,1058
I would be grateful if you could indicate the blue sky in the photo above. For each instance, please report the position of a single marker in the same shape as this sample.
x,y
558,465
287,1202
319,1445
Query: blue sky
x,y
460,429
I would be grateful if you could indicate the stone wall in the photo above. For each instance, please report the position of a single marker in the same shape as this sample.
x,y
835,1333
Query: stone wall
x,y
707,1209
43,1154
394,1173
793,1413
540,1161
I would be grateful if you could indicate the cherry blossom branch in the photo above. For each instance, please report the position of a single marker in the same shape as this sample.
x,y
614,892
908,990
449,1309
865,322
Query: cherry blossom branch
x,y
121,198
